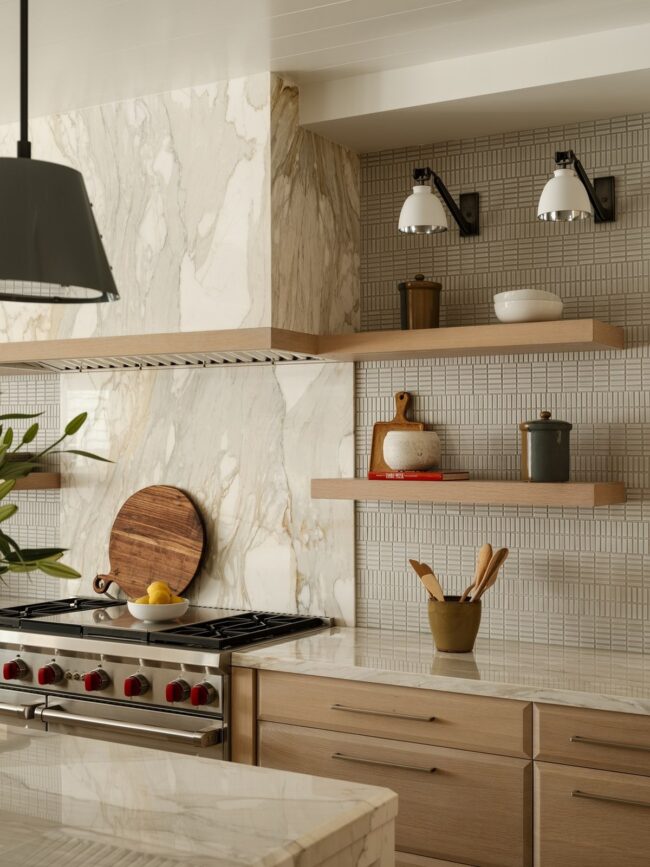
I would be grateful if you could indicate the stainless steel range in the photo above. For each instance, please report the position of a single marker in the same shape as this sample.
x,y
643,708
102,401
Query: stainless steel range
x,y
87,667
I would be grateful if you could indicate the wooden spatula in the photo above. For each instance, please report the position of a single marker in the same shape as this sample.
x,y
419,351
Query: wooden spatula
x,y
498,559
381,428
482,562
426,576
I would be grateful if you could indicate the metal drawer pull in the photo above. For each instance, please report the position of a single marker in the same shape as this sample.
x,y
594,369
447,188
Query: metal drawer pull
x,y
203,738
578,739
389,713
630,802
363,761
17,710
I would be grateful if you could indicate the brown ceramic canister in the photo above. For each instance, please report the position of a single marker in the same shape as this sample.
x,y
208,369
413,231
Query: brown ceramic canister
x,y
419,303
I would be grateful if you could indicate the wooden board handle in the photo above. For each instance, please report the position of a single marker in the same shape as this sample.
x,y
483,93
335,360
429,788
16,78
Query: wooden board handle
x,y
402,401
101,583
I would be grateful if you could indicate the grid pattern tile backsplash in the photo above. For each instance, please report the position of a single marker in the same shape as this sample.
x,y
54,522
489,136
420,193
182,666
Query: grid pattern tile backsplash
x,y
36,524
574,576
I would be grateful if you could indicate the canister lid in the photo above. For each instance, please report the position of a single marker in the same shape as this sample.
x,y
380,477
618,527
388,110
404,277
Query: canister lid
x,y
418,282
545,422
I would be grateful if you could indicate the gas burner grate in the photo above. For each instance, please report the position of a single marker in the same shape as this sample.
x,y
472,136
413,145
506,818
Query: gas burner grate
x,y
13,615
230,632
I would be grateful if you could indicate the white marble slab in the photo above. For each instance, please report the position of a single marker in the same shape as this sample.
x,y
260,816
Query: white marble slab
x,y
606,680
244,444
72,802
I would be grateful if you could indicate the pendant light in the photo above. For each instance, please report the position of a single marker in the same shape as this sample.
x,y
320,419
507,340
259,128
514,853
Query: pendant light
x,y
50,248
423,214
569,195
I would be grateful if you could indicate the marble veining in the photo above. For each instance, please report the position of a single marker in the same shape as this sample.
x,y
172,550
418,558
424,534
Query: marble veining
x,y
69,801
244,444
315,224
578,677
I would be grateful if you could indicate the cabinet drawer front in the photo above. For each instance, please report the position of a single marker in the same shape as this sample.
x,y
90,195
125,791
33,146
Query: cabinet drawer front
x,y
457,806
405,859
589,818
490,725
592,738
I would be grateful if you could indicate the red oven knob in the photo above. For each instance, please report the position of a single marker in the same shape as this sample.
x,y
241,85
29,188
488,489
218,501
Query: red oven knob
x,y
136,684
96,680
51,673
177,690
14,670
203,693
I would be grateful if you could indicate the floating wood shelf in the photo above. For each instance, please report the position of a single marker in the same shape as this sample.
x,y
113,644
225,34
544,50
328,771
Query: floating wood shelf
x,y
570,494
235,346
39,482
566,335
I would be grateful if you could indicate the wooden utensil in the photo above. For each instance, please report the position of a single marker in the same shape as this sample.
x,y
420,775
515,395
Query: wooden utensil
x,y
482,562
498,559
381,428
158,535
427,577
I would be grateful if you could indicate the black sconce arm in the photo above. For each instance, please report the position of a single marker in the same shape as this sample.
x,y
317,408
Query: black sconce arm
x,y
601,192
465,214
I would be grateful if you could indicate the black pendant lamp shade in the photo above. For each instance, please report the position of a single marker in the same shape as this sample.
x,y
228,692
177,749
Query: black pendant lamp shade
x,y
50,248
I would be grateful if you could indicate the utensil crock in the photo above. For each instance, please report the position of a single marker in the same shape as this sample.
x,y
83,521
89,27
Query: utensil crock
x,y
454,624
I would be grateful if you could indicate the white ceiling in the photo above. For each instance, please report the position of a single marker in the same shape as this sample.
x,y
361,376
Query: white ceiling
x,y
84,52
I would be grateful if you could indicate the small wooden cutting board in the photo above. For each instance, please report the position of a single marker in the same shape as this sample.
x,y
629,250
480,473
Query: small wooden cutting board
x,y
158,535
381,428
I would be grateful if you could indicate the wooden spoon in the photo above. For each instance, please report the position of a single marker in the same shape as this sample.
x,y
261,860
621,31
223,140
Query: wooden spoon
x,y
498,559
482,562
426,576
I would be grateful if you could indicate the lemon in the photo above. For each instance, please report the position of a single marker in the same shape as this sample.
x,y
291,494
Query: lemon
x,y
160,597
177,599
158,585
143,600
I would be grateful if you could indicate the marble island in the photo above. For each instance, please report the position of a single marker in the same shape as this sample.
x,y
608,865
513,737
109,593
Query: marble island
x,y
68,801
599,679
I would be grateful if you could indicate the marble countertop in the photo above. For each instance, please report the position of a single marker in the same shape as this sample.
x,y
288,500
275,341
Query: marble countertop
x,y
70,802
606,680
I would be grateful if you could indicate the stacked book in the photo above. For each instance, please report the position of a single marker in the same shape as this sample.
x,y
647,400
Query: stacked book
x,y
419,475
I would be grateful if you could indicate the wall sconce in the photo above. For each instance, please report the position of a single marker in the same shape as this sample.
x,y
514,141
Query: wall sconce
x,y
569,195
422,212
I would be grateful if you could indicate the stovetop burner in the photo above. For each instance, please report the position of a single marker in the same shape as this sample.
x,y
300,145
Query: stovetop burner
x,y
12,615
229,632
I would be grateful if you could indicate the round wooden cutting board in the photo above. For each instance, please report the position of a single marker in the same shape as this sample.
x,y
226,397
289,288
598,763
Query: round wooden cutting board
x,y
158,535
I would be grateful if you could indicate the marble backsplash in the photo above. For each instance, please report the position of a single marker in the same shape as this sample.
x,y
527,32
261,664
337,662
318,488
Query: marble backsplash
x,y
244,444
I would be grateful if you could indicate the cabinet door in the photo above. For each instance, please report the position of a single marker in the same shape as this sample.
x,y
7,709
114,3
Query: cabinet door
x,y
592,738
590,818
468,722
454,805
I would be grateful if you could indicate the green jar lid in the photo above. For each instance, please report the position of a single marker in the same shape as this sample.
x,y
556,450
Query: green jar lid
x,y
545,422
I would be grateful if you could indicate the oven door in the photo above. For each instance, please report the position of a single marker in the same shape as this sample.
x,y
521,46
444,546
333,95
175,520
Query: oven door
x,y
178,732
19,708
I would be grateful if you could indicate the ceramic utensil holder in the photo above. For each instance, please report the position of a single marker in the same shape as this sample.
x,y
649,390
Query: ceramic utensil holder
x,y
454,624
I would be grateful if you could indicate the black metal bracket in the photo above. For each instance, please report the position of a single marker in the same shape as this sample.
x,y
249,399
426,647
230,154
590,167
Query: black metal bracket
x,y
24,145
466,213
601,193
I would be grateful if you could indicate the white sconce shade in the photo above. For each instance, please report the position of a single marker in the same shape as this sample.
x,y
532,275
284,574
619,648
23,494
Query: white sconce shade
x,y
422,213
564,198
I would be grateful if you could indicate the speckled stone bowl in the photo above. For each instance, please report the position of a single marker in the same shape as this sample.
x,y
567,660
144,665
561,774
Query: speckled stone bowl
x,y
412,450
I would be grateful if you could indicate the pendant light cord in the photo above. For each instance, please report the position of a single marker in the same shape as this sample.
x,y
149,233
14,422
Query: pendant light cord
x,y
24,145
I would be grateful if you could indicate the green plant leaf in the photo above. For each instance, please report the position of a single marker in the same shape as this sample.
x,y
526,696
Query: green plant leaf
x,y
8,437
57,570
17,469
75,424
7,511
6,488
20,415
82,453
30,433
22,567
32,555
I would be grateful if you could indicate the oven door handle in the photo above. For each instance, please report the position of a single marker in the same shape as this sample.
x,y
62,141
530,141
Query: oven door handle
x,y
206,737
20,711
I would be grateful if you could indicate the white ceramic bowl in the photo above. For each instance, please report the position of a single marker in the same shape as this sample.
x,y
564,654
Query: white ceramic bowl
x,y
158,613
527,305
412,450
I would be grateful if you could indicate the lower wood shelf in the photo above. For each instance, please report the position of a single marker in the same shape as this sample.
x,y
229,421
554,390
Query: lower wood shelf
x,y
39,482
571,494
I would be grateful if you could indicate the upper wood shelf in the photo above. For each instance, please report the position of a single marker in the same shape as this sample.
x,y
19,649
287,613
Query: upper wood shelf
x,y
39,482
565,335
501,493
277,345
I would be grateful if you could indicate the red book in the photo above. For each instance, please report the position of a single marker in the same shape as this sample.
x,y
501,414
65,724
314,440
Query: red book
x,y
420,476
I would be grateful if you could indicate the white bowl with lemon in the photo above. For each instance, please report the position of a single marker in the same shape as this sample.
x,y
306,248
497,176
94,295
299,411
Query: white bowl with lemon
x,y
158,605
